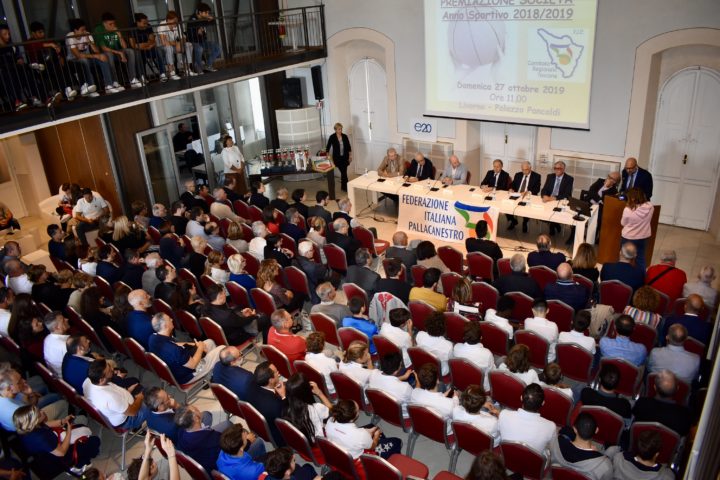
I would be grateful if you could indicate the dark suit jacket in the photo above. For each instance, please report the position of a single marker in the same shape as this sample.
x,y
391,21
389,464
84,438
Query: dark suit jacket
x,y
407,257
316,273
533,182
626,273
344,215
397,287
566,186
503,180
270,406
347,243
301,208
259,200
549,259
319,211
674,416
109,272
335,144
295,232
232,324
643,181
280,204
237,379
281,258
697,328
570,292
163,423
132,275
427,170
518,282
593,191
191,201
364,278
488,247
614,402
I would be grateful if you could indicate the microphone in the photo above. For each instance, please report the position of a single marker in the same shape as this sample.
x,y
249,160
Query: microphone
x,y
434,188
557,207
522,201
491,195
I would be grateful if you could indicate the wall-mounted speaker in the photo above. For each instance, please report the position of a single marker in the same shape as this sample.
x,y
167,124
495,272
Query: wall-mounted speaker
x,y
317,82
292,93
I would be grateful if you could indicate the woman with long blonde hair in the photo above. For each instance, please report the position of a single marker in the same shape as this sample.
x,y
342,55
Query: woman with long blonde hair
x,y
127,234
266,279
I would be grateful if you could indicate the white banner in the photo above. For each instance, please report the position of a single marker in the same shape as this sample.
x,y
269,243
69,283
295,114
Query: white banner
x,y
422,128
444,219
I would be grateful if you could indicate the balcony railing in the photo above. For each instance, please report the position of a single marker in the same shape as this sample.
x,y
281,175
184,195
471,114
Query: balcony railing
x,y
44,80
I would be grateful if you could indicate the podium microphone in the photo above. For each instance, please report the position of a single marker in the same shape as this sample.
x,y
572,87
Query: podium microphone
x,y
522,201
557,207
433,188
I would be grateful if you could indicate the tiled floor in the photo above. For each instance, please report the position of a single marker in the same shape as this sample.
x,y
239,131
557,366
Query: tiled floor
x,y
694,249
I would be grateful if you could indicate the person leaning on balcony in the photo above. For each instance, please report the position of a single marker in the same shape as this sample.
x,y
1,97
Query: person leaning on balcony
x,y
171,44
197,32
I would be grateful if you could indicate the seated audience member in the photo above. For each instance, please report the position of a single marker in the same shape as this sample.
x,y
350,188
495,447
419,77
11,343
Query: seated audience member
x,y
566,289
428,292
526,425
621,346
472,350
272,223
212,232
6,299
663,408
605,395
543,255
585,263
238,324
480,243
665,277
17,278
55,343
214,269
342,431
268,396
426,393
393,380
291,227
303,411
106,267
316,273
196,260
697,328
15,393
159,215
127,234
196,223
87,212
140,213
133,269
326,293
238,274
317,359
149,280
500,316
427,257
274,250
357,363
645,301
138,322
392,283
552,376
31,335
230,373
518,280
433,340
581,322
319,210
168,290
298,196
360,321
56,244
257,245
235,237
517,362
399,249
280,336
477,409
362,274
625,269
234,461
703,287
116,403
685,365
344,207
12,252
81,281
280,464
340,236
399,331
171,248
221,209
256,196
487,465
161,416
179,219
573,447
641,464
461,300
543,327
316,234
76,361
44,291
151,465
281,200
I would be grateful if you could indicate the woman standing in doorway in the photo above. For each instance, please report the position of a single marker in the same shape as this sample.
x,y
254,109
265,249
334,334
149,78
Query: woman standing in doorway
x,y
339,146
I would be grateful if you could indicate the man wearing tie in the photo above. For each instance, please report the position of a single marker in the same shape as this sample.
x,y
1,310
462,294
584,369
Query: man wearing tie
x,y
455,172
496,179
526,182
558,186
420,168
634,176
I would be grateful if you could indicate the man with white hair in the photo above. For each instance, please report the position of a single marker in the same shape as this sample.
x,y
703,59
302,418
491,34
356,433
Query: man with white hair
x,y
316,272
558,186
149,279
566,289
55,344
544,254
526,182
17,278
400,250
326,292
392,165
665,277
625,269
256,247
220,209
291,227
455,173
518,280
137,321
341,237
159,215
421,168
344,206
703,287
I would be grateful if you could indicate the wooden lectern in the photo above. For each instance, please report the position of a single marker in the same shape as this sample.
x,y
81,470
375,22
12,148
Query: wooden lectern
x,y
611,231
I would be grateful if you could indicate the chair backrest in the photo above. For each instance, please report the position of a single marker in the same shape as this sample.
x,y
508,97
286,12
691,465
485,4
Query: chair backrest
x,y
137,353
207,281
682,394
47,376
238,295
610,424
162,370
464,373
337,458
312,375
386,407
417,272
585,282
455,326
154,234
485,294
105,288
420,357
297,280
664,303
228,400
542,276
323,323
278,358
630,376
254,214
480,266
575,362
264,302
347,388
247,233
616,294
470,438
252,265
670,439
92,335
537,344
448,281
645,334
566,473
213,331
557,406
428,423
353,290
295,439
241,209
419,311
256,422
561,314
385,346
506,389
218,476
84,404
377,467
494,338
523,306
192,467
115,340
524,460
504,268
366,238
336,258
286,241
186,244
695,346
161,306
189,323
452,258
186,274
348,335
224,225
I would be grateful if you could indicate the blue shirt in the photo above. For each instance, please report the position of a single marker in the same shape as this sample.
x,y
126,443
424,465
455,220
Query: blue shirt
x,y
202,445
174,355
236,379
7,409
239,468
569,292
626,273
365,326
139,326
163,422
57,250
697,328
74,370
623,347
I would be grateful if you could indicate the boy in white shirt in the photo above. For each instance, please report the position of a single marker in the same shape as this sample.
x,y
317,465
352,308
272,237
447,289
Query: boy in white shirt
x,y
433,340
472,402
472,350
526,425
543,327
499,317
358,363
391,382
398,331
581,322
316,358
426,392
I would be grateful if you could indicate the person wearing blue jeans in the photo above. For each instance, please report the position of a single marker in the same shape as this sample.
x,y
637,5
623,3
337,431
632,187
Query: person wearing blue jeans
x,y
197,34
82,50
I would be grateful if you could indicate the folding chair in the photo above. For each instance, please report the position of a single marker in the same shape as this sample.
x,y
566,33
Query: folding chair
x,y
521,458
480,266
428,423
452,258
323,323
469,438
162,370
506,389
542,275
485,294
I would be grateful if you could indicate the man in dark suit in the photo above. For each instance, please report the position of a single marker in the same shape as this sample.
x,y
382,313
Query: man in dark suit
x,y
696,327
663,409
544,256
608,186
316,273
290,226
624,269
421,168
566,289
361,275
558,186
399,250
605,395
319,209
256,197
518,280
237,326
525,181
339,236
482,245
634,176
268,397
229,373
497,178
106,267
392,283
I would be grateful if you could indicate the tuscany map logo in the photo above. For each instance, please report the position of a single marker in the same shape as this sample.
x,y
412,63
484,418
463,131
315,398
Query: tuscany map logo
x,y
563,51
464,210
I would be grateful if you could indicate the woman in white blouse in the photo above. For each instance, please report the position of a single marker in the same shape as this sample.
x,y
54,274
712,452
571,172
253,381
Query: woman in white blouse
x,y
302,410
234,163
518,363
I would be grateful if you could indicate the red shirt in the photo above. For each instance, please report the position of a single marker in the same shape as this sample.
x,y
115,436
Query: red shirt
x,y
671,283
291,345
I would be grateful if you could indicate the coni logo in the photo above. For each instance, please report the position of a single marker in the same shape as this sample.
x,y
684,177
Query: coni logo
x,y
423,127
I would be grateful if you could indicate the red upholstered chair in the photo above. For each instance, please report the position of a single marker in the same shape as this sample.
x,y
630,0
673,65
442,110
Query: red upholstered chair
x,y
105,288
115,340
419,311
215,475
238,295
353,290
397,467
521,458
385,346
448,281
420,357
48,377
585,282
494,338
119,257
206,281
312,375
256,422
523,306
154,234
229,250
138,355
186,244
504,267
682,394
506,389
542,275
297,280
464,373
561,314
630,376
616,294
338,459
446,476
247,233
278,358
348,335
224,226
189,323
485,294
575,362
254,214
368,240
161,306
296,440
163,371
480,266
348,388
228,400
557,406
241,209
452,258
387,408
566,473
86,329
264,302
278,216
336,258
252,265
455,326
323,323
286,241
417,272
191,466
664,303
186,274
214,332
427,422
695,346
645,334
469,438
610,424
670,439
537,344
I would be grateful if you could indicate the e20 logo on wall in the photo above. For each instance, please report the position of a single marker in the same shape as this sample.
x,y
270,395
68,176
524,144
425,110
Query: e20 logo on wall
x,y
423,127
